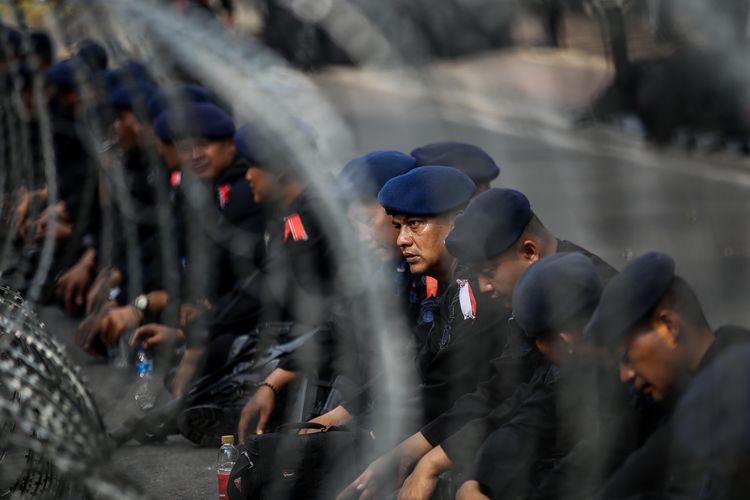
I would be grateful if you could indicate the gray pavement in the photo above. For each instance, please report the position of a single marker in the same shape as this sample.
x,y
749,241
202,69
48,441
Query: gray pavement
x,y
599,188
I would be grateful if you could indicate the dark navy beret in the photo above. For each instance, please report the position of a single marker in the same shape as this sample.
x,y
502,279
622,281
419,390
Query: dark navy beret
x,y
429,190
62,74
134,70
630,296
469,159
364,176
245,140
175,96
41,44
128,96
198,119
711,419
93,55
490,225
555,291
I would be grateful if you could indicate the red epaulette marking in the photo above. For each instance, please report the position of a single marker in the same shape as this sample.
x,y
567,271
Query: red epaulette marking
x,y
293,227
224,195
432,287
175,178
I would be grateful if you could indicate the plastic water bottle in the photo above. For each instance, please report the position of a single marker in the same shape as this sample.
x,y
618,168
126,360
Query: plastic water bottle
x,y
228,455
145,396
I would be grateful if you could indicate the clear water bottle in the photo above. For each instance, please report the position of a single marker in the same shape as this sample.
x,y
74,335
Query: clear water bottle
x,y
228,455
145,395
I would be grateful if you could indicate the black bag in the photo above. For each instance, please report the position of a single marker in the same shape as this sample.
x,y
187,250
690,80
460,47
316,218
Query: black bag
x,y
288,466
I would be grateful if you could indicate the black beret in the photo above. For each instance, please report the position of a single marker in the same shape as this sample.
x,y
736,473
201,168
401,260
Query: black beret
x,y
93,55
630,296
491,224
200,119
175,96
364,176
429,190
711,419
555,291
246,142
469,159
62,74
130,96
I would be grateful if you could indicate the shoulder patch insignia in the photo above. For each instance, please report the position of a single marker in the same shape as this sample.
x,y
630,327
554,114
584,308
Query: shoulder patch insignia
x,y
293,227
466,299
431,285
223,191
175,179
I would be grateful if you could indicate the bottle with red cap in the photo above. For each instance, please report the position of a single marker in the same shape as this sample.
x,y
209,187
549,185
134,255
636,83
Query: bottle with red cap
x,y
228,455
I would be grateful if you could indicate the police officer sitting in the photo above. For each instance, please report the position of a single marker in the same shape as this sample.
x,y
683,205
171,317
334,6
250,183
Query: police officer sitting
x,y
498,236
545,417
652,320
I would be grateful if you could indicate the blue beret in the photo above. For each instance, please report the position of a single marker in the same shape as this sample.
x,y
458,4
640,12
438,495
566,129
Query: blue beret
x,y
11,40
161,128
490,225
93,55
630,296
197,119
469,159
128,96
711,419
430,190
63,74
364,176
175,96
134,70
244,141
554,292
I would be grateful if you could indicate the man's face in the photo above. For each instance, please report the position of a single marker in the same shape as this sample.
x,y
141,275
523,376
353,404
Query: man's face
x,y
500,275
374,228
128,129
264,183
207,158
421,240
650,360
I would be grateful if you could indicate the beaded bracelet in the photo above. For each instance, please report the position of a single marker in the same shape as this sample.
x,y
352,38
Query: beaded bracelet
x,y
270,386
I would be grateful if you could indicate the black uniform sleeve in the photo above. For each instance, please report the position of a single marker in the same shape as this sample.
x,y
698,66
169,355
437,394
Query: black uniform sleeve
x,y
505,462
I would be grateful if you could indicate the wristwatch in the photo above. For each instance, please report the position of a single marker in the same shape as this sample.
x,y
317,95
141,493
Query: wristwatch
x,y
141,302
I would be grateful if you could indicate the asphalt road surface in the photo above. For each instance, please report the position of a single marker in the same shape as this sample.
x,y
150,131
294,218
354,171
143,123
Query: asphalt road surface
x,y
598,188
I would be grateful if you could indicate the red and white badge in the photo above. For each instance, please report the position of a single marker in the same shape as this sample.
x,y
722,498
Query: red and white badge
x,y
466,299
224,194
293,227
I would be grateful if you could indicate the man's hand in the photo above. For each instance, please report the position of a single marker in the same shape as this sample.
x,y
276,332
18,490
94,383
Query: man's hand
x,y
262,403
388,472
470,490
337,416
259,407
154,334
87,334
116,321
107,279
22,211
188,312
72,285
421,483
63,228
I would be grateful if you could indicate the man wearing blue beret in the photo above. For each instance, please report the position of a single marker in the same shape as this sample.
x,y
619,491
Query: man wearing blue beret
x,y
468,158
459,330
569,397
652,320
357,186
499,237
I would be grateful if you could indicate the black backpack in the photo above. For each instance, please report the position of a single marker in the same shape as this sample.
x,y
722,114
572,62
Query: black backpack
x,y
287,466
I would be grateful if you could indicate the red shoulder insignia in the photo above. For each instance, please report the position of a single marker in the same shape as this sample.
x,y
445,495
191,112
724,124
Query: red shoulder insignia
x,y
175,178
224,195
432,287
466,299
293,227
